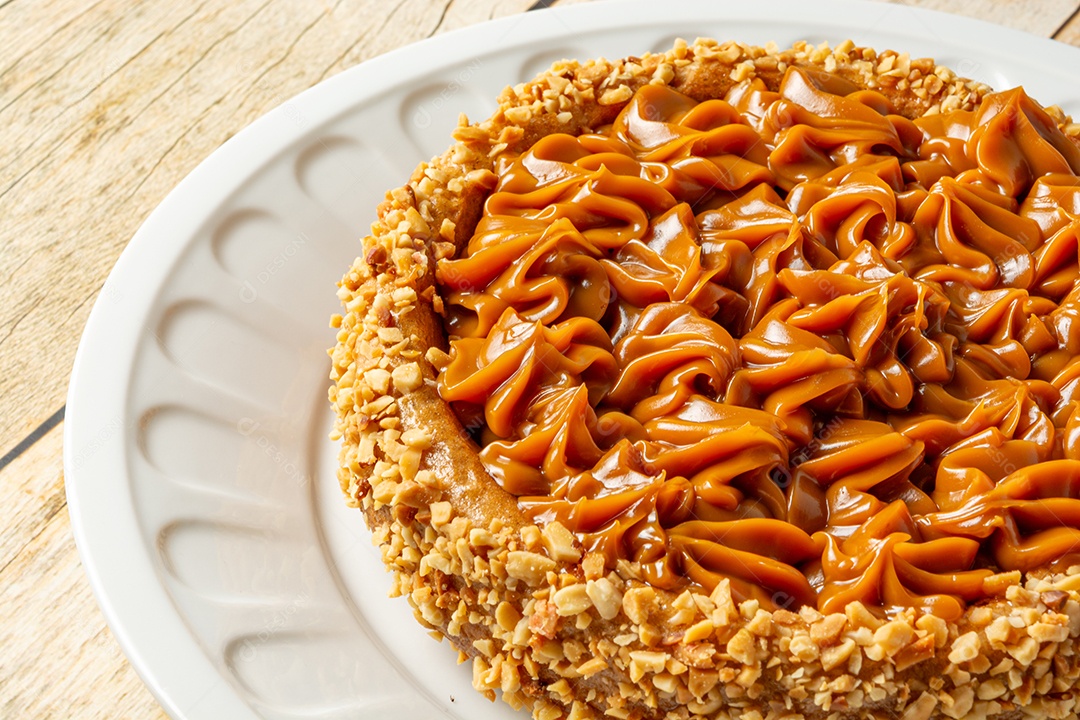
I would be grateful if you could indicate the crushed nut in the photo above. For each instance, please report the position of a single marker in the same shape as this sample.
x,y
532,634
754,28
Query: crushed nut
x,y
560,543
528,567
965,648
572,600
605,597
742,648
407,377
827,631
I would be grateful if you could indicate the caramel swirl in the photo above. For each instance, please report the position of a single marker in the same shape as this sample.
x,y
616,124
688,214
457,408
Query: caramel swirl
x,y
787,338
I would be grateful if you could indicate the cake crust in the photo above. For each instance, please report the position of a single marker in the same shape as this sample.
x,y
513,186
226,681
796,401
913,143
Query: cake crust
x,y
547,625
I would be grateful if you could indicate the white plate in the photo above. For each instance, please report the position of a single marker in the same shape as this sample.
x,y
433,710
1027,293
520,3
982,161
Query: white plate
x,y
199,478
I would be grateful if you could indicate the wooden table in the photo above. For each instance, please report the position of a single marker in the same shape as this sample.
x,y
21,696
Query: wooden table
x,y
104,107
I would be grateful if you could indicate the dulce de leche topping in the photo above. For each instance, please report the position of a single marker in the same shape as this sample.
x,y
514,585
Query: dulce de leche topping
x,y
787,338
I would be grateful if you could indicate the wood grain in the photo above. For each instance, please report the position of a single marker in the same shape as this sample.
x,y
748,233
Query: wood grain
x,y
104,107
59,659
1039,17
1070,31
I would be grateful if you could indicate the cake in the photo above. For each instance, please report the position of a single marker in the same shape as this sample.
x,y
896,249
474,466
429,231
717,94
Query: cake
x,y
732,382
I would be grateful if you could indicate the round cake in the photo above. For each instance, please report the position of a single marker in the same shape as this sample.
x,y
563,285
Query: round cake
x,y
732,382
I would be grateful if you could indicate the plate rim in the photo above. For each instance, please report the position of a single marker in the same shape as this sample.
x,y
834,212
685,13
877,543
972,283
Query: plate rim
x,y
98,485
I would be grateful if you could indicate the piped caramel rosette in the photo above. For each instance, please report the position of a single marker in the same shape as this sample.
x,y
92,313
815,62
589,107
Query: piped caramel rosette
x,y
861,269
716,387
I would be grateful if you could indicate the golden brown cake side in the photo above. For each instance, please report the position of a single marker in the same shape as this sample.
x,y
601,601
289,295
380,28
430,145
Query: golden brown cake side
x,y
549,626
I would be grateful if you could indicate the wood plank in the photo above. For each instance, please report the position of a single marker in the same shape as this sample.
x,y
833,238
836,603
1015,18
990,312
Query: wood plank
x,y
59,659
133,101
65,65
31,494
27,25
1070,31
1039,17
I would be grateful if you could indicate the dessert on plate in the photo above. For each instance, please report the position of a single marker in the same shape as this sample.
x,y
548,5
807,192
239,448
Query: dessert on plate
x,y
732,382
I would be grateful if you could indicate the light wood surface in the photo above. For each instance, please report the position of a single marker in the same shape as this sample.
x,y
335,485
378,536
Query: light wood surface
x,y
104,107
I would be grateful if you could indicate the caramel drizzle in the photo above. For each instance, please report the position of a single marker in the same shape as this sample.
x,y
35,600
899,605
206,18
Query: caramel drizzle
x,y
787,338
